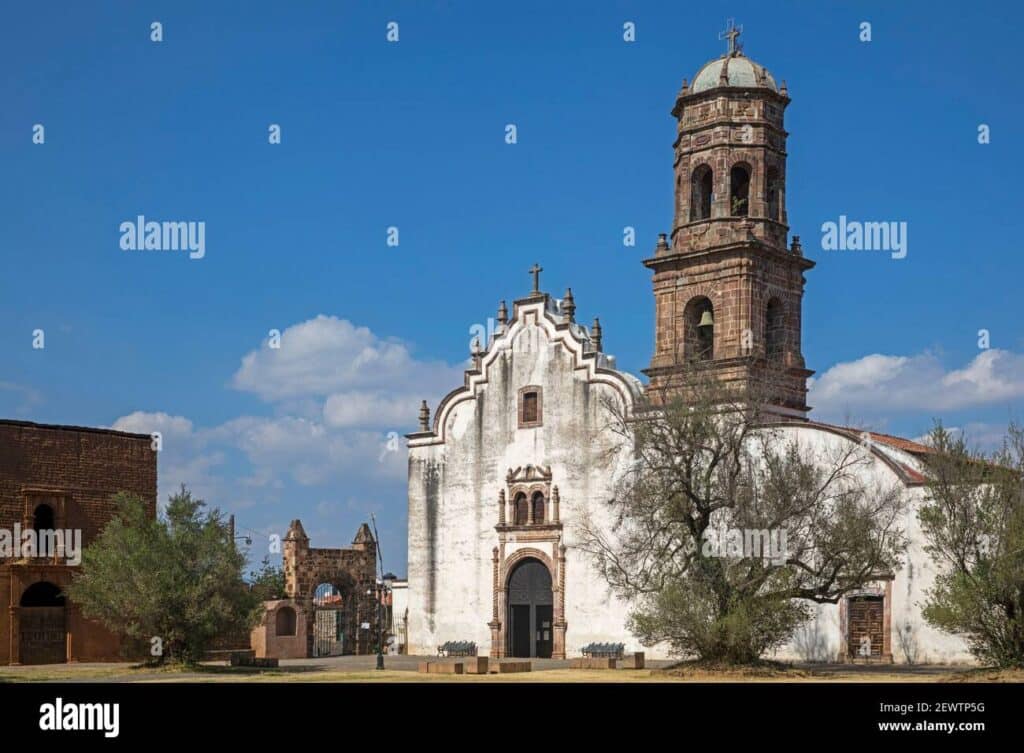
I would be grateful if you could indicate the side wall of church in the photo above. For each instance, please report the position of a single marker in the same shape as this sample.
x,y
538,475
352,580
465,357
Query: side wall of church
x,y
820,639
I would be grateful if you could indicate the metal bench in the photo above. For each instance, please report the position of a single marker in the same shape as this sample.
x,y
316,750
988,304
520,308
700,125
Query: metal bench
x,y
457,648
604,650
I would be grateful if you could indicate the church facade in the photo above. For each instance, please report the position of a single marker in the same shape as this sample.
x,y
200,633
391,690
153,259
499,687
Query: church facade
x,y
524,453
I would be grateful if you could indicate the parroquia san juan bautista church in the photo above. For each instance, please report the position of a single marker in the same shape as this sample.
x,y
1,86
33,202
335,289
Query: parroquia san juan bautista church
x,y
504,469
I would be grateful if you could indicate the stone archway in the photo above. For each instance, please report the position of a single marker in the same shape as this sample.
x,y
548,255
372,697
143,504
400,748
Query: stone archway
x,y
533,590
42,625
530,611
333,628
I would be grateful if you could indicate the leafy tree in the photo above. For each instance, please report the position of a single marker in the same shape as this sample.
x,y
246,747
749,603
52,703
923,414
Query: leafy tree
x,y
172,583
707,469
267,582
973,523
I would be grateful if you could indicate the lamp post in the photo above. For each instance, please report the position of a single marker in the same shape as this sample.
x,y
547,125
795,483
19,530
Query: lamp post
x,y
382,593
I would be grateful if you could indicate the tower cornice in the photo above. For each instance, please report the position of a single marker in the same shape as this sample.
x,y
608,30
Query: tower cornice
x,y
745,247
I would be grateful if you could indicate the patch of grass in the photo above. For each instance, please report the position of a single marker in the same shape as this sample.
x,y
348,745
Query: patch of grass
x,y
987,674
704,671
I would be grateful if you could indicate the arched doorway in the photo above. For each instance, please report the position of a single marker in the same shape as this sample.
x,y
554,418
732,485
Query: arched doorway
x,y
42,625
530,610
330,634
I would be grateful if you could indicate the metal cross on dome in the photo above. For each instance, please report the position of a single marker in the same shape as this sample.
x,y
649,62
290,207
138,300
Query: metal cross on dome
x,y
732,33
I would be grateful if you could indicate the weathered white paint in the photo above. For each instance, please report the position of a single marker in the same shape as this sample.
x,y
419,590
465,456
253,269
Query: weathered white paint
x,y
457,470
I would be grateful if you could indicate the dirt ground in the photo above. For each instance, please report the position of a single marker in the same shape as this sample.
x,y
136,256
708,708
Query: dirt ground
x,y
403,669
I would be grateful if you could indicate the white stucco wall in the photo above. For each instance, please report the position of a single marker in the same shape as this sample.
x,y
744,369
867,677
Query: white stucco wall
x,y
819,640
454,480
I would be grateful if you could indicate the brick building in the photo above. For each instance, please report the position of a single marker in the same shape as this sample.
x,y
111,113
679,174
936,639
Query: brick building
x,y
61,478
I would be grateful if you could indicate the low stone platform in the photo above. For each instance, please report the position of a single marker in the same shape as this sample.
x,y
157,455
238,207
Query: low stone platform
x,y
476,665
632,661
507,667
441,667
263,662
592,662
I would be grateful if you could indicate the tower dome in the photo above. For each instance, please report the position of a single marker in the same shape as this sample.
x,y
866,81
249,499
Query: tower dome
x,y
733,69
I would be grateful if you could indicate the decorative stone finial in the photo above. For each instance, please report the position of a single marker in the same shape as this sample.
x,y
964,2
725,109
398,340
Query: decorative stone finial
x,y
477,353
424,416
296,532
595,335
723,75
569,305
783,90
501,507
795,247
662,245
502,313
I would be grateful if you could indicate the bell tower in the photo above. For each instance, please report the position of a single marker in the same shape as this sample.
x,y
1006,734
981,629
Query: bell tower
x,y
728,289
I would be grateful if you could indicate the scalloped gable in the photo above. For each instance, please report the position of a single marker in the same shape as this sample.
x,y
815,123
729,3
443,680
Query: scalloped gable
x,y
546,313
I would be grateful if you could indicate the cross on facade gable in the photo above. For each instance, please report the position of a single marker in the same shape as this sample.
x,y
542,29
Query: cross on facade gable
x,y
732,34
535,271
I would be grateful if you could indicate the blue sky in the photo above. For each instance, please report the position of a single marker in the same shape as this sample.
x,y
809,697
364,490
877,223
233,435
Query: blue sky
x,y
411,135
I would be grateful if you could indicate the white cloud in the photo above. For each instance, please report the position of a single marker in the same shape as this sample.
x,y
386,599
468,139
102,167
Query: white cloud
x,y
307,451
325,355
183,457
341,399
140,422
367,408
888,384
979,434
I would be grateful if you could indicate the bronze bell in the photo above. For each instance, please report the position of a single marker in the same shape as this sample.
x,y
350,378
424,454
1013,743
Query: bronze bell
x,y
706,320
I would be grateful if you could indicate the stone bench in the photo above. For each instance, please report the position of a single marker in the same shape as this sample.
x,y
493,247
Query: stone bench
x,y
441,667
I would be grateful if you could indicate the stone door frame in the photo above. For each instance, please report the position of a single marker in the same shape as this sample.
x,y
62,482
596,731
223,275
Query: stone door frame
x,y
502,573
883,591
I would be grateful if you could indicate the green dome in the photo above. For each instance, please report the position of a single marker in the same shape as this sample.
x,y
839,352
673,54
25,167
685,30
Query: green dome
x,y
740,70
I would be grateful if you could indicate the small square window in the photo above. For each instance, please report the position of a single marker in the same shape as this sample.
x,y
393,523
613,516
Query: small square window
x,y
530,407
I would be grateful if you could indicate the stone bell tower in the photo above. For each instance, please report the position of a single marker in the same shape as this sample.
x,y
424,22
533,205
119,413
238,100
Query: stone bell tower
x,y
728,290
